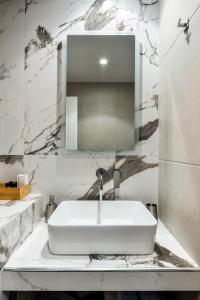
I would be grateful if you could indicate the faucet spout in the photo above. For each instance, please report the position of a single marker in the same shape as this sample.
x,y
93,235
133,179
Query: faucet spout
x,y
100,182
100,173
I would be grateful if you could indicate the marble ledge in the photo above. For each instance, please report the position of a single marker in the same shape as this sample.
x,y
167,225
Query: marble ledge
x,y
17,221
34,268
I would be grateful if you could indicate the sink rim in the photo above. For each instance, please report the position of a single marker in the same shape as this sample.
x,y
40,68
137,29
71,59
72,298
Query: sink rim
x,y
153,222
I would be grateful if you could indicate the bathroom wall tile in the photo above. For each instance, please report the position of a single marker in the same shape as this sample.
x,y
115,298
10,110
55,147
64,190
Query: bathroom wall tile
x,y
179,208
179,99
43,120
133,187
64,177
22,217
138,172
41,63
170,12
11,77
41,66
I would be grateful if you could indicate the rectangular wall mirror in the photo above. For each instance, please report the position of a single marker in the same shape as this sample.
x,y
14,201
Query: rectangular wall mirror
x,y
103,84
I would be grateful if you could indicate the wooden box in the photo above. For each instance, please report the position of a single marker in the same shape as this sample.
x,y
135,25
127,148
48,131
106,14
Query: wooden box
x,y
7,193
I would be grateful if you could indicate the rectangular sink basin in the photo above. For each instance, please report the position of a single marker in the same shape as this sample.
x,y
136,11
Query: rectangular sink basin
x,y
127,228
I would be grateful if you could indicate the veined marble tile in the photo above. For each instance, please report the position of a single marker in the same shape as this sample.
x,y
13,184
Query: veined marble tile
x,y
168,255
11,77
97,15
179,203
101,281
34,268
179,113
169,30
142,187
66,178
17,221
43,121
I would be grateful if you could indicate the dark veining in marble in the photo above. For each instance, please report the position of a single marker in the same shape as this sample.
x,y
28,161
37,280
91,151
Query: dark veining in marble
x,y
11,159
32,174
150,58
47,60
110,195
59,47
146,3
43,38
147,130
50,140
92,193
106,257
151,52
165,255
10,241
50,146
119,157
94,18
134,164
28,3
71,23
121,26
33,286
129,167
155,100
13,17
161,257
18,139
5,71
154,49
4,251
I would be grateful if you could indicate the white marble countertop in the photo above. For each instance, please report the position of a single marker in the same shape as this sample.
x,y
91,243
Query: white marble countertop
x,y
9,209
17,221
33,267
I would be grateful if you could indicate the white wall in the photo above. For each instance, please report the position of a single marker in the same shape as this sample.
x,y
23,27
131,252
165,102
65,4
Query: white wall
x,y
179,114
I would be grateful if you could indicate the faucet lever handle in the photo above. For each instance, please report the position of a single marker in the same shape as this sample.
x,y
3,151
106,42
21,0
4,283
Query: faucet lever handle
x,y
117,178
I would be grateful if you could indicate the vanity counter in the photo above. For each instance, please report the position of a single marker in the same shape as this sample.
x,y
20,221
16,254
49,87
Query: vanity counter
x,y
17,221
33,267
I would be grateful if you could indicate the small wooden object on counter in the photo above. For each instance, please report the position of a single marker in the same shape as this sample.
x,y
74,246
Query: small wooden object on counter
x,y
7,193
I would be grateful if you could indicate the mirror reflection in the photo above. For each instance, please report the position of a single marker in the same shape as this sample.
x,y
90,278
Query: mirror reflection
x,y
100,102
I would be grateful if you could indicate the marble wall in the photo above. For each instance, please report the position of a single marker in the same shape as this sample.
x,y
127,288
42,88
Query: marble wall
x,y
30,121
17,221
179,189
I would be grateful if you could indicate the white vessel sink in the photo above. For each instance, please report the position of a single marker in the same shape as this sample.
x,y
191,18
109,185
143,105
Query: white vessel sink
x,y
127,228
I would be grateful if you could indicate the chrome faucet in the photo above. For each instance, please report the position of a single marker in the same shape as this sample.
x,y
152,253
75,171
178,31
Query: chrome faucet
x,y
100,173
117,180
